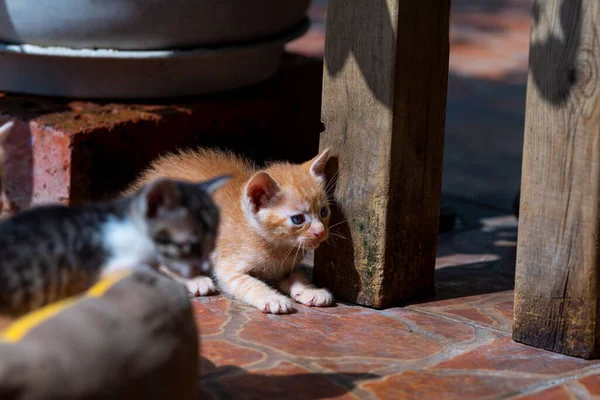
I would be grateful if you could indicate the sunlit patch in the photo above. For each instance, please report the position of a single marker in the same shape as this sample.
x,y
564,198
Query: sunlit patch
x,y
464,259
507,235
505,243
500,222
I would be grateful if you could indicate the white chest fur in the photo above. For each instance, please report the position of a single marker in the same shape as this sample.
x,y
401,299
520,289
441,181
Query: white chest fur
x,y
127,245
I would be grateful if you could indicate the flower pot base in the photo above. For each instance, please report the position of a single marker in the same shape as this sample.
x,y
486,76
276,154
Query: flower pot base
x,y
112,74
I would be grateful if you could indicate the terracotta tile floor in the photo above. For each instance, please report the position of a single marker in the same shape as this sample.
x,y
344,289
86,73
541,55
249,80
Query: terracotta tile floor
x,y
457,345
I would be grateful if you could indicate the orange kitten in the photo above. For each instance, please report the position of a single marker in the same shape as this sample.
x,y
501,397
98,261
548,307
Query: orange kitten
x,y
269,218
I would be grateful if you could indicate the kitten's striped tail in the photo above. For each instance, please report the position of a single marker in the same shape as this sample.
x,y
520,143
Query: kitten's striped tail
x,y
22,293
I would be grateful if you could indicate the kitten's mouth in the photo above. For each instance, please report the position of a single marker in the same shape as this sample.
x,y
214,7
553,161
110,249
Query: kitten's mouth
x,y
315,243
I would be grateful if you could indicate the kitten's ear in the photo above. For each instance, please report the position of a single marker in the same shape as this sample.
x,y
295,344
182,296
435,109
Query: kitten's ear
x,y
261,189
215,183
316,166
160,195
5,130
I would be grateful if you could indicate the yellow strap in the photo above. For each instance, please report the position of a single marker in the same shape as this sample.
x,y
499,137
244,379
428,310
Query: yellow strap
x,y
106,283
19,329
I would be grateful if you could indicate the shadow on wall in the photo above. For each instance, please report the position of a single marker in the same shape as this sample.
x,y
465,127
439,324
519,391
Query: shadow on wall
x,y
553,54
336,57
373,69
233,382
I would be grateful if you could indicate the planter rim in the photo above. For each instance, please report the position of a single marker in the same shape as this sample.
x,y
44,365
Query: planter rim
x,y
69,52
111,74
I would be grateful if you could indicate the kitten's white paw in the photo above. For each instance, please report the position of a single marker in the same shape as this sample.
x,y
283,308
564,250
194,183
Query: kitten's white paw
x,y
314,297
200,286
276,304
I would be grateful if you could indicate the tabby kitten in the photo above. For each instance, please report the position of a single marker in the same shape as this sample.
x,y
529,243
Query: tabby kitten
x,y
269,218
51,252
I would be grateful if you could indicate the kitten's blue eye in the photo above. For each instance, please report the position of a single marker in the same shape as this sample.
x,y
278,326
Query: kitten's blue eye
x,y
297,219
324,212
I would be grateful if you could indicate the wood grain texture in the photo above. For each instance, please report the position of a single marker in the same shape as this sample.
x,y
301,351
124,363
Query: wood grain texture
x,y
384,105
556,288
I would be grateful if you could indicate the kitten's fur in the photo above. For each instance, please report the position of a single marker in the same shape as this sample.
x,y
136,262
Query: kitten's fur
x,y
51,252
259,242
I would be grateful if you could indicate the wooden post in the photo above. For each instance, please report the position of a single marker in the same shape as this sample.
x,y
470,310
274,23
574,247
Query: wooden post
x,y
384,106
558,270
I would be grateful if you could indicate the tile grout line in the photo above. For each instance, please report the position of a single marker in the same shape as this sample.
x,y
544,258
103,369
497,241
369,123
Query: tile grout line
x,y
536,388
506,334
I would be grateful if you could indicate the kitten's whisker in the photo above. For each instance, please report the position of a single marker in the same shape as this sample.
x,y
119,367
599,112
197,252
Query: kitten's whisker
x,y
337,235
294,263
287,254
336,224
297,251
331,244
332,181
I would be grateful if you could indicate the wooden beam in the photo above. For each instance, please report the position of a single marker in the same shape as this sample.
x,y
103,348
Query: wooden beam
x,y
558,260
384,106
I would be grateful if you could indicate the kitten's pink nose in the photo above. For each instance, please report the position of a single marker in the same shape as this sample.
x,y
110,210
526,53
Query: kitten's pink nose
x,y
319,234
317,230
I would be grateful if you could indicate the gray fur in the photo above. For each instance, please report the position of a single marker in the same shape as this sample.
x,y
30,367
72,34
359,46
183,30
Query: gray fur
x,y
48,253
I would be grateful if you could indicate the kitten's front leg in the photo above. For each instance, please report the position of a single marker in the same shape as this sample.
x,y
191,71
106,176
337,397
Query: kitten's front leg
x,y
198,286
301,289
253,291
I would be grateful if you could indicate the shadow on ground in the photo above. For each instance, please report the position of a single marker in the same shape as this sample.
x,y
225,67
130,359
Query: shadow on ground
x,y
232,382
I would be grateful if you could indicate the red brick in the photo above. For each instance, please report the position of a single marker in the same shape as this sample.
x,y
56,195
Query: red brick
x,y
91,150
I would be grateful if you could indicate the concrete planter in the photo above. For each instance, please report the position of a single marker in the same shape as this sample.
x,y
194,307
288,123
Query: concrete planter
x,y
145,24
143,48
118,74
